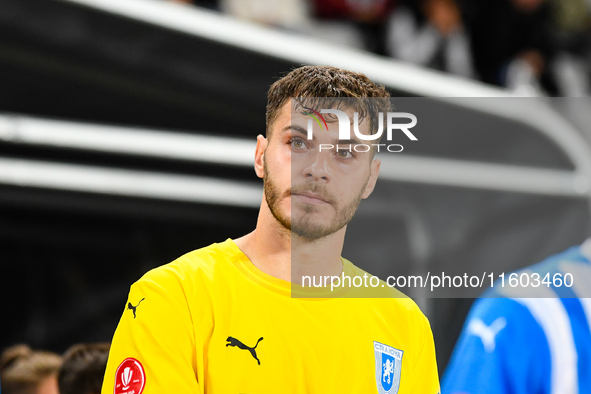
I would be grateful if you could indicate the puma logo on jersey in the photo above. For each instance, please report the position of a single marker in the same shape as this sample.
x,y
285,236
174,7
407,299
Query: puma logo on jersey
x,y
235,342
485,333
133,308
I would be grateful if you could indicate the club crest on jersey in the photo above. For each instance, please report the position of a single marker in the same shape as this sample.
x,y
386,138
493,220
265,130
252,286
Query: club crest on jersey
x,y
388,365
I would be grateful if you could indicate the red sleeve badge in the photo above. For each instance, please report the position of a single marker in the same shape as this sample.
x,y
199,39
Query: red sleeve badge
x,y
130,377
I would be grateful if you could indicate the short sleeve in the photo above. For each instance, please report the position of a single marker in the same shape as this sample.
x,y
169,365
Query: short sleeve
x,y
153,349
425,375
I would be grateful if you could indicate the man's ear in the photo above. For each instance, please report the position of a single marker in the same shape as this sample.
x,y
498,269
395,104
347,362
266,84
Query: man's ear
x,y
259,156
373,177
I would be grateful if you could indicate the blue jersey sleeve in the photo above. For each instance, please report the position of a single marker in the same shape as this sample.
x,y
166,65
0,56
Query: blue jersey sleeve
x,y
502,349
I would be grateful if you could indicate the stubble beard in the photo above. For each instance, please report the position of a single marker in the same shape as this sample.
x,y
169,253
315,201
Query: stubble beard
x,y
304,225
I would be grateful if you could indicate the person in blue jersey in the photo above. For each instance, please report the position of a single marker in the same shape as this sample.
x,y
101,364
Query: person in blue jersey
x,y
536,345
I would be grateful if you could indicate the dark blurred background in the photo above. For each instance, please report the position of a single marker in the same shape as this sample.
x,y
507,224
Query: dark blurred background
x,y
101,101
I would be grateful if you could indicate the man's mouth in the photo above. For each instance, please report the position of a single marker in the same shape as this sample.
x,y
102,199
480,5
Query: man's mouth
x,y
310,198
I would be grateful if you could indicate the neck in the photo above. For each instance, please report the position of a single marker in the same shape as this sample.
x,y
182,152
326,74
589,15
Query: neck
x,y
276,251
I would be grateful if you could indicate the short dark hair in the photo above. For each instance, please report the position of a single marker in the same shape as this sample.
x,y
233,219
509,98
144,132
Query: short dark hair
x,y
326,85
83,369
23,369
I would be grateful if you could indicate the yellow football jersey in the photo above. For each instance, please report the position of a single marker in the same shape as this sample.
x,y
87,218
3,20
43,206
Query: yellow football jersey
x,y
211,322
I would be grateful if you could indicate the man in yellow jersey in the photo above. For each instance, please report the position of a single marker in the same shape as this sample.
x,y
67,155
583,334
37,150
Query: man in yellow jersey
x,y
224,319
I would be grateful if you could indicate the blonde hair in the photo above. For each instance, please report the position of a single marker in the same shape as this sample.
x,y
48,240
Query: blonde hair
x,y
22,369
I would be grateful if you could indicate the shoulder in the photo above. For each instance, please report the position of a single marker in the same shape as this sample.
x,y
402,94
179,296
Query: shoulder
x,y
492,306
192,269
370,286
501,345
389,300
183,289
503,327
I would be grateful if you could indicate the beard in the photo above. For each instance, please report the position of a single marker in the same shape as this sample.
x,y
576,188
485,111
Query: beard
x,y
303,224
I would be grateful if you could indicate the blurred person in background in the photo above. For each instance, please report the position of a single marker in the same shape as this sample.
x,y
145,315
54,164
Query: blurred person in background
x,y
211,4
286,14
352,23
366,20
572,67
83,368
518,345
24,371
512,44
431,33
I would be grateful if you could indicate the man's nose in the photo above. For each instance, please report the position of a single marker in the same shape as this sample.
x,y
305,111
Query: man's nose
x,y
318,167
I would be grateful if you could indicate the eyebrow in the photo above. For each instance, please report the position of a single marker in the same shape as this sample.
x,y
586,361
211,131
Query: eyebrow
x,y
296,128
301,130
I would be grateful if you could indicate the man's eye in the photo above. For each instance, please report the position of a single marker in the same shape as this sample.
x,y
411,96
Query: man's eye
x,y
344,153
298,144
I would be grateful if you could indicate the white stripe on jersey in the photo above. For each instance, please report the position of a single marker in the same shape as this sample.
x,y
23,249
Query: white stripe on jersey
x,y
581,288
581,273
552,317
